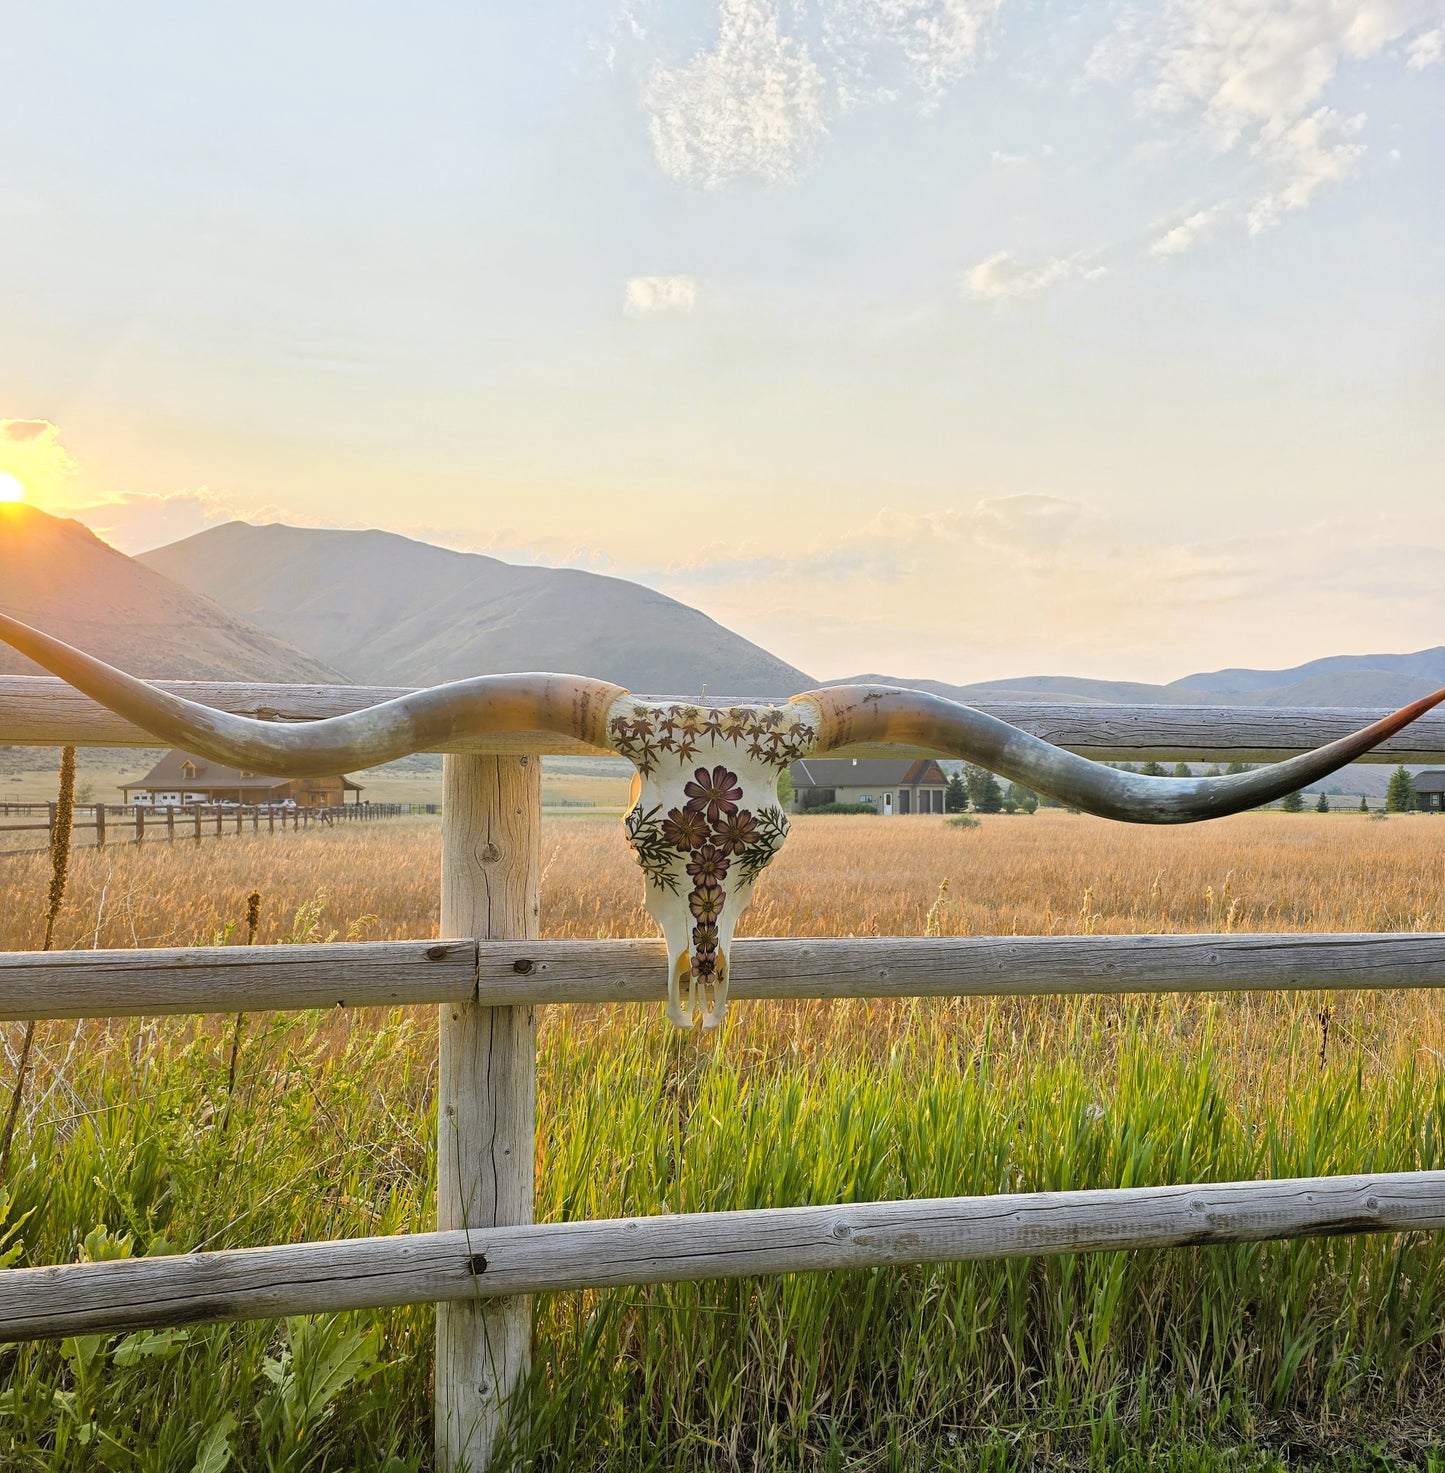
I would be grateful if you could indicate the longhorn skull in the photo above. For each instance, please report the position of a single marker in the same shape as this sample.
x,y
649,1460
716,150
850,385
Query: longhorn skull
x,y
705,820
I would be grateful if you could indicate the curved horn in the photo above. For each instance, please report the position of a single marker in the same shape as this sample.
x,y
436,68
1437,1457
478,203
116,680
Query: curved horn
x,y
567,705
851,714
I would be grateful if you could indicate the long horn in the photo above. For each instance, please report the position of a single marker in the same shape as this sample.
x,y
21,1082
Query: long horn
x,y
860,714
567,705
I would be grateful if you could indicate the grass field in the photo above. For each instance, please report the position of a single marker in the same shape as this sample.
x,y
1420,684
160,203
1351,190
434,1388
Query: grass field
x,y
1315,1354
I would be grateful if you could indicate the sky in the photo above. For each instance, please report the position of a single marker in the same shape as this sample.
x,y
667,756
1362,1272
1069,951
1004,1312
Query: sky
x,y
949,338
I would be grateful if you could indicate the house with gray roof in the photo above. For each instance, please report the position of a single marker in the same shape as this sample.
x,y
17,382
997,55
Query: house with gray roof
x,y
1430,789
180,779
891,785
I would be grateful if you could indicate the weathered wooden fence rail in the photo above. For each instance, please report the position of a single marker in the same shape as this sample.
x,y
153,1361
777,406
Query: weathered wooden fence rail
x,y
488,1254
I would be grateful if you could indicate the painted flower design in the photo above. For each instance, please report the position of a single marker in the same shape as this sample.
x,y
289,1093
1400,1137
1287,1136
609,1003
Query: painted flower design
x,y
705,938
734,832
704,963
685,828
708,865
706,903
715,793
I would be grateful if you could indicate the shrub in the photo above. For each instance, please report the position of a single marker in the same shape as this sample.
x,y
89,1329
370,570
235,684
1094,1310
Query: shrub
x,y
843,808
962,821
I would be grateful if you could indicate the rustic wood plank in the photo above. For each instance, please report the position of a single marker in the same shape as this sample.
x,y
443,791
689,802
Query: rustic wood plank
x,y
43,711
251,979
486,1093
315,1278
971,966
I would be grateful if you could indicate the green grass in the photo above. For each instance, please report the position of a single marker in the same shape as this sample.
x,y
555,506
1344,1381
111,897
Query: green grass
x,y
1320,1353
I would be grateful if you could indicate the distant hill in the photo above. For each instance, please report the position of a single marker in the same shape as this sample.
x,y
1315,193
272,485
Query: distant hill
x,y
60,577
386,609
1338,680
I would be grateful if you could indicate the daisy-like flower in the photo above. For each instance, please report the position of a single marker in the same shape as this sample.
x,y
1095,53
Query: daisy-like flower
x,y
685,828
705,938
706,903
688,718
733,833
715,793
709,865
704,963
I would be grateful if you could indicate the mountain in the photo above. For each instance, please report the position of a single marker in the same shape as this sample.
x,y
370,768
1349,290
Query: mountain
x,y
386,609
1337,680
60,577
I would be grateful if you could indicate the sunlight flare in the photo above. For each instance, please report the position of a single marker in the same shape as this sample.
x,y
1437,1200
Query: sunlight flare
x,y
10,488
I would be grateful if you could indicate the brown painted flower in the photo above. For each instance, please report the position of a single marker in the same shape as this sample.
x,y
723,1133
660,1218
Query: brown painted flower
x,y
706,903
704,963
734,832
709,865
685,828
715,793
705,938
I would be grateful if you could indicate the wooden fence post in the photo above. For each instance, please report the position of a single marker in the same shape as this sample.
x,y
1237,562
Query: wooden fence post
x,y
486,1092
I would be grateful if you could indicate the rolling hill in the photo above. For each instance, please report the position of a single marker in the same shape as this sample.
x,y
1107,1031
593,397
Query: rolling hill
x,y
387,609
60,577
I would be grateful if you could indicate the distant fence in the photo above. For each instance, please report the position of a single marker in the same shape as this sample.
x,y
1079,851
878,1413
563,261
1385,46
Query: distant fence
x,y
490,978
97,825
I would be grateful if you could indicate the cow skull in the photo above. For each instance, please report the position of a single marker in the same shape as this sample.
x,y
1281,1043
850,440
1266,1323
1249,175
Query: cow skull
x,y
704,824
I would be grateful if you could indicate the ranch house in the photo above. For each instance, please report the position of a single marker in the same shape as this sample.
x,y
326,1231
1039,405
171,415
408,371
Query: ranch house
x,y
890,785
1430,790
180,779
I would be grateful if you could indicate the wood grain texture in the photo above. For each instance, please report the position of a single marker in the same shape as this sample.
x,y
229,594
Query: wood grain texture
x,y
225,979
486,1093
971,966
42,711
467,1268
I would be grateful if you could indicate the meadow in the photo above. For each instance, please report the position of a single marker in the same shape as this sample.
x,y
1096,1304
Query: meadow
x,y
144,1136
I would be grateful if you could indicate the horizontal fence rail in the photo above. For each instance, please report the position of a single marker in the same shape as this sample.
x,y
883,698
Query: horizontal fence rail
x,y
226,979
41,711
363,1273
217,979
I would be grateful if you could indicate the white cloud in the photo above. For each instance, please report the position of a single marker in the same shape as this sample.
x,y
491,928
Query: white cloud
x,y
759,102
1002,278
1318,150
647,294
136,521
1427,49
1255,75
1187,233
752,106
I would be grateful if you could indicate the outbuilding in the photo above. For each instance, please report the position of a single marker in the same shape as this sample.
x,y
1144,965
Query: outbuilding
x,y
1430,790
894,785
181,778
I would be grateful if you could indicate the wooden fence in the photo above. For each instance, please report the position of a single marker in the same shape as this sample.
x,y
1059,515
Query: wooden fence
x,y
139,823
487,1254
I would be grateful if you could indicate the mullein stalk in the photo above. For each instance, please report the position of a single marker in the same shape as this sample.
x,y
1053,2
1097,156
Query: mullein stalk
x,y
253,924
59,873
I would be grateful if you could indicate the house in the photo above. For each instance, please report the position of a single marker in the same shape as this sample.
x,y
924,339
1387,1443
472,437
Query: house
x,y
892,785
1430,790
180,779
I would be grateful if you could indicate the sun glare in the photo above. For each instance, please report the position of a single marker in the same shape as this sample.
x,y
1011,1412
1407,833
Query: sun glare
x,y
10,488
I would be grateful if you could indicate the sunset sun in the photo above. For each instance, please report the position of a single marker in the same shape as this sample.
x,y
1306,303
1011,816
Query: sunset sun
x,y
10,488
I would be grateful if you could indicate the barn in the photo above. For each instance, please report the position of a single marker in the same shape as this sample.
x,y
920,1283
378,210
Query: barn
x,y
891,785
181,778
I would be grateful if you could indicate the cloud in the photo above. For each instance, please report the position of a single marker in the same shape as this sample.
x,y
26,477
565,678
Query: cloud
x,y
1187,233
136,521
1002,278
1318,150
1427,49
758,104
1254,75
647,294
752,106
31,450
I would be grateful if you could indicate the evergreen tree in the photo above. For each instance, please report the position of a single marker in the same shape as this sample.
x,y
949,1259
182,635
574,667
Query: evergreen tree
x,y
983,789
1364,804
1323,806
1240,767
1153,769
1182,769
1293,802
1212,771
1400,796
955,795
785,789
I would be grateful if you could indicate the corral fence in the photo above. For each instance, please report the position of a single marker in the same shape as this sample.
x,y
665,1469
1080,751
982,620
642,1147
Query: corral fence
x,y
97,824
487,1254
